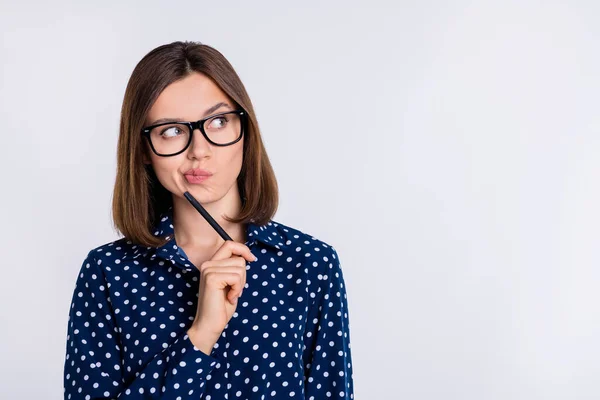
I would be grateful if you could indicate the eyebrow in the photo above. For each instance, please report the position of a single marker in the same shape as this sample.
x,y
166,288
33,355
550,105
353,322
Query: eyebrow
x,y
207,112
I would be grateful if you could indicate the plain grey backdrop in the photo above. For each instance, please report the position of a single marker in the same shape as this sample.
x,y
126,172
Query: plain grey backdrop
x,y
449,150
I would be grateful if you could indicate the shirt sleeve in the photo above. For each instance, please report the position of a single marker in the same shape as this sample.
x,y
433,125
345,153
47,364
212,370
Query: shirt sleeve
x,y
327,355
94,367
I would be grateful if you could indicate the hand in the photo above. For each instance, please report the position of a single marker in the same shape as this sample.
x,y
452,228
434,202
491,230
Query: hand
x,y
222,279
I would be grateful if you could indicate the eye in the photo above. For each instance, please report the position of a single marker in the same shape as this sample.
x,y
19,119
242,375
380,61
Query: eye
x,y
171,131
218,122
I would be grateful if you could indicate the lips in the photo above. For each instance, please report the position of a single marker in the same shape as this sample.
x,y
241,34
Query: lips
x,y
196,178
198,172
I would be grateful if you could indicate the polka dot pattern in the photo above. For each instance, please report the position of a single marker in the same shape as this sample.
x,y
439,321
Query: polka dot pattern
x,y
289,337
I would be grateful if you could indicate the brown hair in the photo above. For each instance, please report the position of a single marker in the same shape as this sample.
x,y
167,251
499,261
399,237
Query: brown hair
x,y
138,197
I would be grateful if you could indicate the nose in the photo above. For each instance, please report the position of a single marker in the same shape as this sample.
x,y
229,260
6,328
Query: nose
x,y
199,147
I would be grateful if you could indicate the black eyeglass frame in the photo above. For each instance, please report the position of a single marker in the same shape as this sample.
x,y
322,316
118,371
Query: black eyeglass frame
x,y
198,125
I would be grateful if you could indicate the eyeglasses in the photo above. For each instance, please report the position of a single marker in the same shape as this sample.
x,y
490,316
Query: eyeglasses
x,y
172,138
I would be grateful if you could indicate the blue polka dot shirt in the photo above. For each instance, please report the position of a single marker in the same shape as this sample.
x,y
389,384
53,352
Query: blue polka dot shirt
x,y
132,305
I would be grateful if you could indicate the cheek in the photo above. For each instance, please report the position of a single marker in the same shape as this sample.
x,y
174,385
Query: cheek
x,y
234,161
165,169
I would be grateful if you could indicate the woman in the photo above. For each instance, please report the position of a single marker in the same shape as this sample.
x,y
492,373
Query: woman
x,y
172,311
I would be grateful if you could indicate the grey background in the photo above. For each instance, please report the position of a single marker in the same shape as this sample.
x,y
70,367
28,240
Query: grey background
x,y
448,150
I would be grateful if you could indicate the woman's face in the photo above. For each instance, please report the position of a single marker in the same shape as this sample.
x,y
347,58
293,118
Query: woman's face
x,y
191,99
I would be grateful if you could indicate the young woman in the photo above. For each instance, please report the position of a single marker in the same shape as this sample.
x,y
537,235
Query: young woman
x,y
171,310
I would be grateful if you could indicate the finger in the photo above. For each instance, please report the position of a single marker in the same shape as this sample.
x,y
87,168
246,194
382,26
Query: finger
x,y
229,282
234,261
230,248
223,280
225,269
238,263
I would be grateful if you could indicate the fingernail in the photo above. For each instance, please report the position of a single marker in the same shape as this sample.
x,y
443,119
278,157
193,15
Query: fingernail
x,y
241,293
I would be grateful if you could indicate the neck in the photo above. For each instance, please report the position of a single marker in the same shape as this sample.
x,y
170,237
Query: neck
x,y
193,231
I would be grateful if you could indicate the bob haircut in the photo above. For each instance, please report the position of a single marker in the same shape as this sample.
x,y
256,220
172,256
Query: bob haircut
x,y
138,197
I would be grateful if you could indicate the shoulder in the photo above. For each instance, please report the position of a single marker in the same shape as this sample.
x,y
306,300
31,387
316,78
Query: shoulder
x,y
293,237
100,257
116,250
105,261
303,245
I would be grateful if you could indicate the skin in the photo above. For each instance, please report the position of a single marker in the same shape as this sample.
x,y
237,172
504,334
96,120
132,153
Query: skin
x,y
222,264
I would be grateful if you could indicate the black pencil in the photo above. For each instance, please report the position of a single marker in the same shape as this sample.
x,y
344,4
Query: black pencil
x,y
207,216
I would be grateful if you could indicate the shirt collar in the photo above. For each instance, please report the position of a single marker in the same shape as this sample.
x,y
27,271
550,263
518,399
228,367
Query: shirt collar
x,y
267,234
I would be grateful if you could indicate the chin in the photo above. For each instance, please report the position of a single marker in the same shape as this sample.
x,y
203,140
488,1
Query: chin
x,y
203,195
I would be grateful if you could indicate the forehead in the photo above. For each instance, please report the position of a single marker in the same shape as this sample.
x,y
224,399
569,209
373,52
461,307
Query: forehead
x,y
187,98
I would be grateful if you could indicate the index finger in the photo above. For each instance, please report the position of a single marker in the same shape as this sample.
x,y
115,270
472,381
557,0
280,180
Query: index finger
x,y
230,248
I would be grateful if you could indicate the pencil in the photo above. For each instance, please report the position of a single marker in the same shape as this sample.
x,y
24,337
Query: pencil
x,y
207,216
